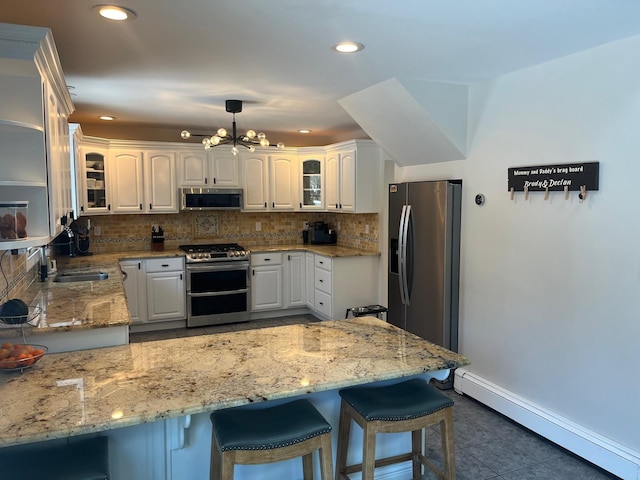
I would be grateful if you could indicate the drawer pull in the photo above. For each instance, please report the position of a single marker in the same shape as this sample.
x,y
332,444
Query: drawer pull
x,y
267,259
321,281
321,303
165,264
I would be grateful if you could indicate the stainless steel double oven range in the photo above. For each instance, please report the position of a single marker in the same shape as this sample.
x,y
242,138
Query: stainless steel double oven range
x,y
218,284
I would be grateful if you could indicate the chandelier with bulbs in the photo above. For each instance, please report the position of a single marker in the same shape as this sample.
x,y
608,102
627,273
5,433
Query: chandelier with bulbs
x,y
222,137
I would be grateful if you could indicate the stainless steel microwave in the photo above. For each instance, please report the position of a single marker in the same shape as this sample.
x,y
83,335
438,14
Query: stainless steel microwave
x,y
210,198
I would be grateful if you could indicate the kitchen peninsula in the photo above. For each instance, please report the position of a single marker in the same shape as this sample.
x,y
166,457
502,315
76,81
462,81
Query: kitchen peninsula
x,y
142,390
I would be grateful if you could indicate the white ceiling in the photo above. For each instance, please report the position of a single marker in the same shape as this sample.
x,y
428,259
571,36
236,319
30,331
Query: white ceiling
x,y
175,65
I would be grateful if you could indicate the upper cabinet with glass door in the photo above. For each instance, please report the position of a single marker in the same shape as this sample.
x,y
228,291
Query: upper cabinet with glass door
x,y
92,183
312,178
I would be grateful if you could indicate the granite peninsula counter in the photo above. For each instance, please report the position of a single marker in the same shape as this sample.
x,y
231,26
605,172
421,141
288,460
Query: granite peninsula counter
x,y
87,391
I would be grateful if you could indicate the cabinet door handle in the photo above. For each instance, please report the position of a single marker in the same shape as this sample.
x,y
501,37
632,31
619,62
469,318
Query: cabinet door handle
x,y
321,281
320,262
300,204
140,206
139,265
273,204
289,257
321,303
180,276
265,204
206,180
214,180
150,207
109,207
253,272
82,208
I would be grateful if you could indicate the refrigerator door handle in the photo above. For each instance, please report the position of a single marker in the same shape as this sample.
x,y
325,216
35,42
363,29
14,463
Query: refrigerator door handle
x,y
408,254
401,253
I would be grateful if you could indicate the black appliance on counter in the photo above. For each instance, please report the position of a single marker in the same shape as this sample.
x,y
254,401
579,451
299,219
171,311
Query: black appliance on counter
x,y
320,234
218,284
73,241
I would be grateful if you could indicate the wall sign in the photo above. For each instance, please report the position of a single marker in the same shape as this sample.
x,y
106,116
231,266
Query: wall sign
x,y
568,176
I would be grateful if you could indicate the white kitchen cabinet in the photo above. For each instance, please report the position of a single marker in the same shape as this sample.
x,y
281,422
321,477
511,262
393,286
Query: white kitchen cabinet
x,y
166,294
201,168
160,188
58,163
294,279
125,180
353,173
344,282
155,289
266,281
34,108
309,271
312,181
270,181
135,288
283,177
255,175
142,181
93,190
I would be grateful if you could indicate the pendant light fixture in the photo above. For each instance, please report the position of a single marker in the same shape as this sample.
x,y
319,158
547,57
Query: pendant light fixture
x,y
222,137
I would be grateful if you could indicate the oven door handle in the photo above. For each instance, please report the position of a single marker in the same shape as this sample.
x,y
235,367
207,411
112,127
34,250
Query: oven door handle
x,y
218,268
218,294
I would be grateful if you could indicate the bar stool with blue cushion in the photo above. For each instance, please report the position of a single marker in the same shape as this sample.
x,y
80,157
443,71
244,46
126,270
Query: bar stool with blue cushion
x,y
76,460
409,406
251,436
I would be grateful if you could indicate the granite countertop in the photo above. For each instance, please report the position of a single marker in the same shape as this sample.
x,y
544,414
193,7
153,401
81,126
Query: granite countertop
x,y
86,391
327,250
102,304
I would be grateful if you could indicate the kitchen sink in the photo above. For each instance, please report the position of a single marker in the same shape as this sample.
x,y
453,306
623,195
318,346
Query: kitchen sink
x,y
81,277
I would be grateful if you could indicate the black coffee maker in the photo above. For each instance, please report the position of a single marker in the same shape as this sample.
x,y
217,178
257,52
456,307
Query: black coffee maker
x,y
321,234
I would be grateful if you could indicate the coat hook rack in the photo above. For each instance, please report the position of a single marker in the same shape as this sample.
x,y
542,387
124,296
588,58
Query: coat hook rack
x,y
580,177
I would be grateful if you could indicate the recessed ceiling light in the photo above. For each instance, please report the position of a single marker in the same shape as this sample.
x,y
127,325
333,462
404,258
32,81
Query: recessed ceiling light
x,y
347,47
304,130
112,12
107,117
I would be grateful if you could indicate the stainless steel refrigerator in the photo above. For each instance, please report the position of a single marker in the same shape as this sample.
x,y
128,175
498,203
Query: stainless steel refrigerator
x,y
424,259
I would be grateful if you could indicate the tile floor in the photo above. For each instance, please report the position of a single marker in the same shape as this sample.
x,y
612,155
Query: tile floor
x,y
488,445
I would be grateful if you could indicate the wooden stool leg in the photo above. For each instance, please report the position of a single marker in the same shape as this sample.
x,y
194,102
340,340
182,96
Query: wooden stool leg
x,y
416,451
344,429
368,451
215,468
446,430
227,465
325,454
307,466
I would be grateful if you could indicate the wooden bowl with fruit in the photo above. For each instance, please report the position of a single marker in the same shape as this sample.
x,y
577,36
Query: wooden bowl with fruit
x,y
18,356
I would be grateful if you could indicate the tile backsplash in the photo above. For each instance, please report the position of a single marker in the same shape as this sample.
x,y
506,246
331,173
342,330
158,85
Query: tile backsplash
x,y
133,232
15,278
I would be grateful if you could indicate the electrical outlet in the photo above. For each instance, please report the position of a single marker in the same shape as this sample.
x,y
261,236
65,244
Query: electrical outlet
x,y
366,229
97,230
258,226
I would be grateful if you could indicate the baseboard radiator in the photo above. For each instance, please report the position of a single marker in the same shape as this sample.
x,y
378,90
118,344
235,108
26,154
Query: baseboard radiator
x,y
595,448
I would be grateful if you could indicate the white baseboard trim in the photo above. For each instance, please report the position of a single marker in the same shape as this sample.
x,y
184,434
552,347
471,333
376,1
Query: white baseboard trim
x,y
595,448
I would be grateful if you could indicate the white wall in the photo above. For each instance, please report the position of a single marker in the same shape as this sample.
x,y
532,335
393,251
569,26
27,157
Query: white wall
x,y
550,290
